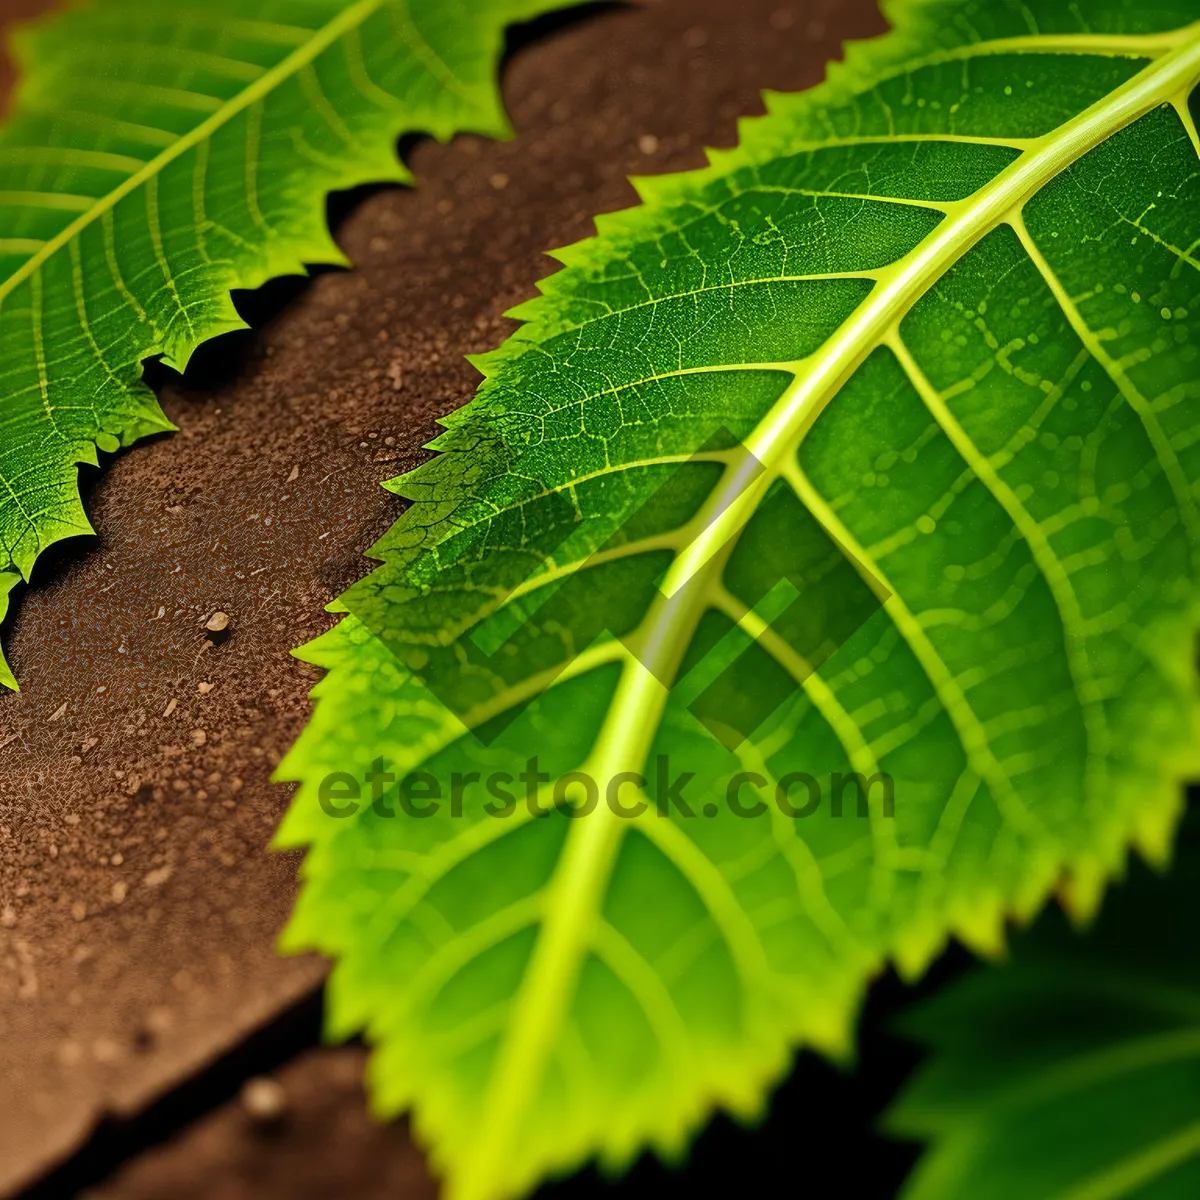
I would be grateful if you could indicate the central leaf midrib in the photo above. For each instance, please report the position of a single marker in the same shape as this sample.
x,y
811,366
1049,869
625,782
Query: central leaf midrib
x,y
320,41
969,222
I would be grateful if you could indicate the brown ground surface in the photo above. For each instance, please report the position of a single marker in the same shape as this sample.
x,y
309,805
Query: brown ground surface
x,y
11,12
321,1144
138,904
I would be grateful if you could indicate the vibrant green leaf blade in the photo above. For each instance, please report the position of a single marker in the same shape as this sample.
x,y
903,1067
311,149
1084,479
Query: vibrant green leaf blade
x,y
160,155
1073,1070
949,301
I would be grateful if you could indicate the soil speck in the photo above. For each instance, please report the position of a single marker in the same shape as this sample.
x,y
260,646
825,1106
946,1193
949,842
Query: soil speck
x,y
264,1101
105,1050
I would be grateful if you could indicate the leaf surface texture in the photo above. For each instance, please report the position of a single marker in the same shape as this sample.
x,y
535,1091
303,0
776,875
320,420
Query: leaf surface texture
x,y
949,303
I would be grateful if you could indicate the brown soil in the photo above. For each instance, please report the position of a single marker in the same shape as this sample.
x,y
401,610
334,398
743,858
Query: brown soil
x,y
310,1136
11,13
138,904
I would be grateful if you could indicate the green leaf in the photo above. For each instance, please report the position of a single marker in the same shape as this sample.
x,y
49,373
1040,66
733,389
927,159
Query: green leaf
x,y
927,337
160,155
1072,1071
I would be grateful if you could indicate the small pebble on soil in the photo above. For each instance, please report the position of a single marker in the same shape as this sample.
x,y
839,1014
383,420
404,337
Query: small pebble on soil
x,y
264,1101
